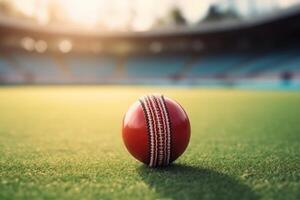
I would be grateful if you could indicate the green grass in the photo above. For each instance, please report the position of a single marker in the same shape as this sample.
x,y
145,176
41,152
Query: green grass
x,y
65,143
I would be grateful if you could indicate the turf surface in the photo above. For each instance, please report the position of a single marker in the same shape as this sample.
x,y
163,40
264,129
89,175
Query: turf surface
x,y
65,143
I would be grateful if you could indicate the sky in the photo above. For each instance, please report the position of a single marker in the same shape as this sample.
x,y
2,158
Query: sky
x,y
139,15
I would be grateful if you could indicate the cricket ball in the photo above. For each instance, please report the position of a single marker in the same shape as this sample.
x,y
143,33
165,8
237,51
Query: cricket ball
x,y
156,130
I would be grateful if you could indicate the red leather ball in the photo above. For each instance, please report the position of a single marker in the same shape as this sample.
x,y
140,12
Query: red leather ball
x,y
156,130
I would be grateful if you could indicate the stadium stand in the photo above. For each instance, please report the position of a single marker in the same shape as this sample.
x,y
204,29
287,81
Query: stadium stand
x,y
214,65
5,68
252,52
260,63
8,72
89,68
36,68
155,66
290,65
40,67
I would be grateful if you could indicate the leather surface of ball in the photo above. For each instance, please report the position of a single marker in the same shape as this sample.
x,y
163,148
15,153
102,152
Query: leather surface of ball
x,y
156,130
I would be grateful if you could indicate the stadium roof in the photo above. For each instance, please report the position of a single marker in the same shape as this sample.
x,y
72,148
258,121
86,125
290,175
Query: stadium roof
x,y
8,24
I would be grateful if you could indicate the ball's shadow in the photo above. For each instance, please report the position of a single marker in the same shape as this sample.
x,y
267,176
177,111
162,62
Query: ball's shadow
x,y
186,182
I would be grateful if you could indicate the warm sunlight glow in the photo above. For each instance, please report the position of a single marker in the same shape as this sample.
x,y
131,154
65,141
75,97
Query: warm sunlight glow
x,y
137,15
65,46
83,12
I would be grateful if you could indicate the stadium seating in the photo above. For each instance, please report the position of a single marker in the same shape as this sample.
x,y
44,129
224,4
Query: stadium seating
x,y
42,68
5,68
226,68
8,73
154,66
88,67
260,63
213,65
291,65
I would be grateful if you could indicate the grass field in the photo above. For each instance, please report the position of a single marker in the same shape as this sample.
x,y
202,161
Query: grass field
x,y
65,143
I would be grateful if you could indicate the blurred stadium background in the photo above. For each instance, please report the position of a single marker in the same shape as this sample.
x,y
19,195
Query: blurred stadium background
x,y
226,43
69,70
